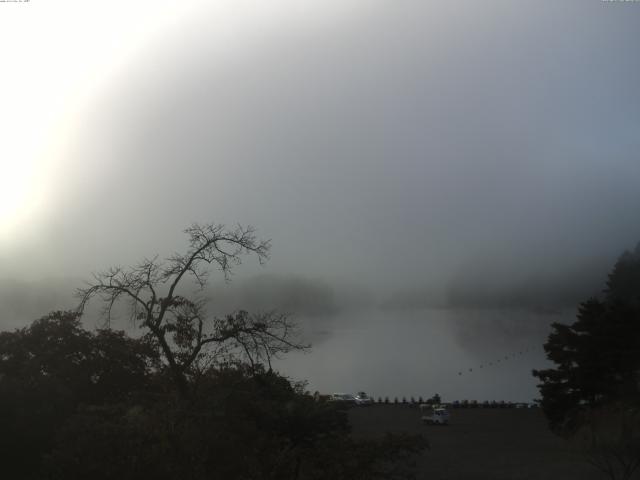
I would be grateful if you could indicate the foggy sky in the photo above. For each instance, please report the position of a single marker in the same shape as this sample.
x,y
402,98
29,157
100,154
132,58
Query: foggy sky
x,y
478,160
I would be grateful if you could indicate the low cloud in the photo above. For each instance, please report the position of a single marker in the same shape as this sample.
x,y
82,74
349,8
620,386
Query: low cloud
x,y
480,287
319,307
290,294
22,301
311,301
536,293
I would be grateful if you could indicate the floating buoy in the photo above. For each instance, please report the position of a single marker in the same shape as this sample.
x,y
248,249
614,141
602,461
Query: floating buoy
x,y
497,361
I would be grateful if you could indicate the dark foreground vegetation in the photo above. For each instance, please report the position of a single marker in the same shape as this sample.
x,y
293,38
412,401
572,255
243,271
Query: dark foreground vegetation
x,y
99,405
189,397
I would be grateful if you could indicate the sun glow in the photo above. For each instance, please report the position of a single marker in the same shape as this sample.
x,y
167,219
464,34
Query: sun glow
x,y
59,56
55,55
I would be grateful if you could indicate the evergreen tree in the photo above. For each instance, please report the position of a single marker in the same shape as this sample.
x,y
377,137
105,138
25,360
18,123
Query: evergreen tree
x,y
597,358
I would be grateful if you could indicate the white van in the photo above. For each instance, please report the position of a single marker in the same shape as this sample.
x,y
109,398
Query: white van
x,y
438,416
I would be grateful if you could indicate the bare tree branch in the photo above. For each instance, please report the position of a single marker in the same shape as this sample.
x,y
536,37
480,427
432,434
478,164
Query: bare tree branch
x,y
179,324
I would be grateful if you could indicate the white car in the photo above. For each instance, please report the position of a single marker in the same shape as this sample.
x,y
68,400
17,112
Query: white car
x,y
438,416
363,399
343,397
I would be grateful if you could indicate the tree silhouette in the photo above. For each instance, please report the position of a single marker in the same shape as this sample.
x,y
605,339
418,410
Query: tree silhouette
x,y
186,336
597,358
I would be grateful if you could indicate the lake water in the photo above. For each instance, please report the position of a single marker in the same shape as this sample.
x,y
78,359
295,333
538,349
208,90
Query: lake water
x,y
421,352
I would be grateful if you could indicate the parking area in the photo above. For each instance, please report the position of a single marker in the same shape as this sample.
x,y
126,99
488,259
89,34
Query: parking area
x,y
509,444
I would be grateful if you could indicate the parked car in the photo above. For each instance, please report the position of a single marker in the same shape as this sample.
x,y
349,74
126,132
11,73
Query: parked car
x,y
345,398
438,416
363,399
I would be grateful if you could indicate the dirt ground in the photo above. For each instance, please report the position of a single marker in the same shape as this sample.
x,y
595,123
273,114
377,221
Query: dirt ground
x,y
497,444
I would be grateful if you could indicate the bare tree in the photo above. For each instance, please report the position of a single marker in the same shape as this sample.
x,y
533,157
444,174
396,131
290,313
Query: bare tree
x,y
186,336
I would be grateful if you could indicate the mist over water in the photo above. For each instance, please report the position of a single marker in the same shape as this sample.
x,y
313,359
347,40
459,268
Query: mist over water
x,y
383,343
420,353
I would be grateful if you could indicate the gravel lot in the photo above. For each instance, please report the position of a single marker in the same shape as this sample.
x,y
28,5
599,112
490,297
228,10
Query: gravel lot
x,y
512,444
